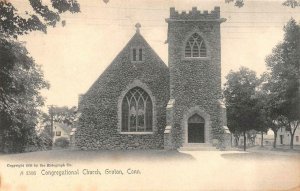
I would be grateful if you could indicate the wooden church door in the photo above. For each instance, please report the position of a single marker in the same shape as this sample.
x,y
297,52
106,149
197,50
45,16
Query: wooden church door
x,y
196,129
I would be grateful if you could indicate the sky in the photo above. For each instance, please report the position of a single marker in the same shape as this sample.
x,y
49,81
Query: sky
x,y
73,57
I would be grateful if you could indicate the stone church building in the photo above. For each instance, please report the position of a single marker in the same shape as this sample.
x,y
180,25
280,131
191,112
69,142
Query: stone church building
x,y
139,102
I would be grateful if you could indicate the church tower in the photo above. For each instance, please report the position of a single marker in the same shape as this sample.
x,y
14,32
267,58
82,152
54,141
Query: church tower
x,y
194,112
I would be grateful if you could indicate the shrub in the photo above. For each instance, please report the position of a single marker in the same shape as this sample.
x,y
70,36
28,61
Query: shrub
x,y
45,141
62,142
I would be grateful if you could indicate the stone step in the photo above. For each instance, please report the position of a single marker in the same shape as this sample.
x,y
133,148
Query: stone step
x,y
197,147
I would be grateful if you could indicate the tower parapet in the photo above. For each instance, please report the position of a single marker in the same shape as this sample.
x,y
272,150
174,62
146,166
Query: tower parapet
x,y
194,14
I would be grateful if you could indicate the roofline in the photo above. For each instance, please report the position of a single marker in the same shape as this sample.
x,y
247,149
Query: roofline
x,y
137,33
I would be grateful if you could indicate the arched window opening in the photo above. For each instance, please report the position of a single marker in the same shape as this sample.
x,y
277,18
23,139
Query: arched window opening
x,y
195,47
137,111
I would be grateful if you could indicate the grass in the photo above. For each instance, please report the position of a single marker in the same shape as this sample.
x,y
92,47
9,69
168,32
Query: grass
x,y
79,155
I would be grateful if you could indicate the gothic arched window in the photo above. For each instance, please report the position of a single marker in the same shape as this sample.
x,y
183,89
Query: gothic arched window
x,y
195,47
137,114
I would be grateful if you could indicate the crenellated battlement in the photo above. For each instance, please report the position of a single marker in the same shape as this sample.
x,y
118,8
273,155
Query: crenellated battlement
x,y
195,14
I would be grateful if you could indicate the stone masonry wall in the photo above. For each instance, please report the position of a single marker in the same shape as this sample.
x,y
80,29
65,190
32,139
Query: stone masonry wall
x,y
194,81
98,124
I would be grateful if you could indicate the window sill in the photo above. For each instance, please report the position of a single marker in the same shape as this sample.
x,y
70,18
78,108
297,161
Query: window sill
x,y
195,58
137,61
136,133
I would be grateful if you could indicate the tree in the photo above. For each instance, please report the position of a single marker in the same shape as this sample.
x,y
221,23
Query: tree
x,y
13,24
21,80
239,92
57,114
237,3
262,107
291,3
288,3
276,124
283,84
270,118
251,135
44,131
63,114
262,119
269,115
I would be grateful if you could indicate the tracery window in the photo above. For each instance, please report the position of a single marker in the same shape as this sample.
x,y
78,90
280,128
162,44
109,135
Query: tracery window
x,y
195,47
137,111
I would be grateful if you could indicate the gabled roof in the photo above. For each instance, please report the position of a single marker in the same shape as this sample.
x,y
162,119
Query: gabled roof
x,y
123,61
66,128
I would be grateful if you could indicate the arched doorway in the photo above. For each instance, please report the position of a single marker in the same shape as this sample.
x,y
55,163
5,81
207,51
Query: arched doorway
x,y
196,129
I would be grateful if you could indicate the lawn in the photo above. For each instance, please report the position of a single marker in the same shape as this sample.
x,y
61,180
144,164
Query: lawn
x,y
94,156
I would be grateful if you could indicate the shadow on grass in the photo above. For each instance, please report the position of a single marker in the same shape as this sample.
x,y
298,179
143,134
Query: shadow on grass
x,y
100,155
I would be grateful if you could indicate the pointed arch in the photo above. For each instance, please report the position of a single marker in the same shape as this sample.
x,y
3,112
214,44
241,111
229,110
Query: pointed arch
x,y
136,110
195,47
196,119
196,114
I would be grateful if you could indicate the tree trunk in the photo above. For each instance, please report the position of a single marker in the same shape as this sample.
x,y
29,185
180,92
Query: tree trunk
x,y
292,140
275,139
244,140
231,140
1,142
292,136
236,141
262,139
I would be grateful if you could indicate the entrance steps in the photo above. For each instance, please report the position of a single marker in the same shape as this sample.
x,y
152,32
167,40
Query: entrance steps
x,y
197,147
